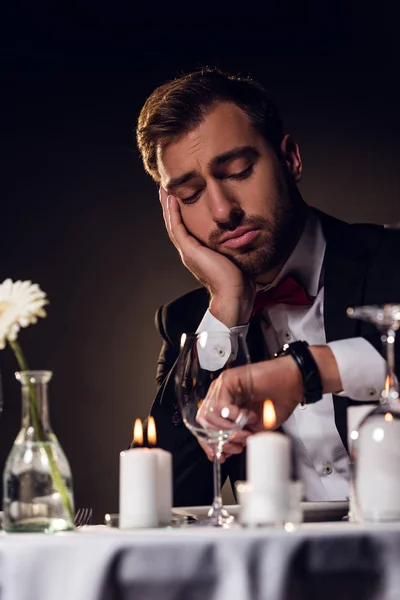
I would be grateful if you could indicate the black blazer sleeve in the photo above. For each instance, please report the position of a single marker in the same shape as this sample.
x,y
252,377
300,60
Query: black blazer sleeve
x,y
167,355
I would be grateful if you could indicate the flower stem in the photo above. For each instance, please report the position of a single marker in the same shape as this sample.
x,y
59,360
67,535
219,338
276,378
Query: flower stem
x,y
58,480
32,404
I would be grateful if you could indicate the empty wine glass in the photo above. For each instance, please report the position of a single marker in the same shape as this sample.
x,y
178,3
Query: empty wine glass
x,y
212,415
375,445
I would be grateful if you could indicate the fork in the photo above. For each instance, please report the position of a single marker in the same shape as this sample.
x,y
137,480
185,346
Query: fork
x,y
83,516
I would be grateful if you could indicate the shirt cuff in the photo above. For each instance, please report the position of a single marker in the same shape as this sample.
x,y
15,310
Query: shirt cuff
x,y
210,323
362,369
214,356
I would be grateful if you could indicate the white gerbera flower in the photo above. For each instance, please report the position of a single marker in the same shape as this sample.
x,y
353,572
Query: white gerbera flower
x,y
21,303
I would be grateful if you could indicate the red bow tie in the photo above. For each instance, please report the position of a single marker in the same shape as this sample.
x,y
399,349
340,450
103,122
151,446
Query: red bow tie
x,y
288,291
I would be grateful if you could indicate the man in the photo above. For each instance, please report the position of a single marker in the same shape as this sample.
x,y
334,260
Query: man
x,y
227,175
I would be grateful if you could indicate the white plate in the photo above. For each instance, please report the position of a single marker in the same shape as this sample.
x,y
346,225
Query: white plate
x,y
312,511
324,511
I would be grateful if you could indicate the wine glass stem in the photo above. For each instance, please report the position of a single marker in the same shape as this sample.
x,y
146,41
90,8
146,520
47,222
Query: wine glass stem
x,y
217,502
389,341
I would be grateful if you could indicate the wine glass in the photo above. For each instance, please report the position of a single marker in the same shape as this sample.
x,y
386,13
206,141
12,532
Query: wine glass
x,y
375,446
212,414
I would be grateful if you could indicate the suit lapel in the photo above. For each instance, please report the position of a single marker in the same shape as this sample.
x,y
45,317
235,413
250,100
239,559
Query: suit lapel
x,y
344,279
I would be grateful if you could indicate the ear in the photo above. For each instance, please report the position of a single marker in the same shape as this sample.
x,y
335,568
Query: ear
x,y
291,156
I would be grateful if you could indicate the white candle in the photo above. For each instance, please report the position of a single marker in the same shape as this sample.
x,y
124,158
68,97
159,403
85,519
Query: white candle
x,y
378,469
164,485
268,460
268,454
138,489
355,414
164,476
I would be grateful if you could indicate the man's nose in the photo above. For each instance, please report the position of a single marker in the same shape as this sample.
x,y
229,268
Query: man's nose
x,y
221,203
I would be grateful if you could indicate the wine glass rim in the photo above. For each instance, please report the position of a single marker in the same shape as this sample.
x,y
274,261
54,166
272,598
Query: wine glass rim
x,y
380,314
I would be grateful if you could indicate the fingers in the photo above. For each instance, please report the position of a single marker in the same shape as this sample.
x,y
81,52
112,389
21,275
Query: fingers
x,y
163,195
240,438
210,452
233,386
215,415
224,409
176,229
237,415
232,448
254,422
178,232
209,416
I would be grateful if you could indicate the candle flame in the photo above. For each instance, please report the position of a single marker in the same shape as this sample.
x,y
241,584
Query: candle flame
x,y
387,384
138,433
269,415
151,431
388,417
183,339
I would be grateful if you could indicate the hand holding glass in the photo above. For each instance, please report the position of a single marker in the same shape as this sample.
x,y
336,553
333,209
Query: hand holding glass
x,y
213,413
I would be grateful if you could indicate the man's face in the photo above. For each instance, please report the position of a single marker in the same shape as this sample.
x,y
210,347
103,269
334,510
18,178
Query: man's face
x,y
232,189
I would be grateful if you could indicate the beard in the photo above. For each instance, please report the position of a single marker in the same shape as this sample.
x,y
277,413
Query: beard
x,y
277,238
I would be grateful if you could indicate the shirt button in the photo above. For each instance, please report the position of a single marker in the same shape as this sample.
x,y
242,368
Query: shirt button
x,y
287,335
371,391
220,352
303,405
328,469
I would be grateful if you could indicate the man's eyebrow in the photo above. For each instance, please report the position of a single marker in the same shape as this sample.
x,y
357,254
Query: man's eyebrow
x,y
239,152
172,183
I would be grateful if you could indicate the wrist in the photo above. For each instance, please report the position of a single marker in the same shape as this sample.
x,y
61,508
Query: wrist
x,y
303,358
328,369
295,378
231,311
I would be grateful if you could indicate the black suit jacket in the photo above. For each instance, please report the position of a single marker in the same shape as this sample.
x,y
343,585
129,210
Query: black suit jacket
x,y
361,266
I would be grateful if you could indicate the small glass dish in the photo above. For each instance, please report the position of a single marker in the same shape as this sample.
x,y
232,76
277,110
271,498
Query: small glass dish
x,y
177,521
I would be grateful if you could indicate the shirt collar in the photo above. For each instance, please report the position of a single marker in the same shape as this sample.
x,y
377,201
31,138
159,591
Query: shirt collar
x,y
306,260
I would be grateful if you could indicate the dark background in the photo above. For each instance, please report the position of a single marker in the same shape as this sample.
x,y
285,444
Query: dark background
x,y
80,217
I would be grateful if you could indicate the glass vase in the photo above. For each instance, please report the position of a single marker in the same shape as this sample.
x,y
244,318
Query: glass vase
x,y
375,444
37,480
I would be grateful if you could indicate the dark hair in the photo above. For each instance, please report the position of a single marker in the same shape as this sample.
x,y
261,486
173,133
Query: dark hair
x,y
180,105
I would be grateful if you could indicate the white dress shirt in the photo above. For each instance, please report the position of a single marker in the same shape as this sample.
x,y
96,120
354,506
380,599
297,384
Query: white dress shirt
x,y
321,459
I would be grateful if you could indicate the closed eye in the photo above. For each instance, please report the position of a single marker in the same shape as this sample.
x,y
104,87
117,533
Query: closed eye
x,y
237,176
242,174
190,199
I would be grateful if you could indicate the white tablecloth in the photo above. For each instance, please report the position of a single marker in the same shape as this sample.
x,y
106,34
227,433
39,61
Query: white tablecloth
x,y
318,561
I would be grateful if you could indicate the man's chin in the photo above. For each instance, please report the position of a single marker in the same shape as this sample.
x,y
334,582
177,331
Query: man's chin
x,y
253,262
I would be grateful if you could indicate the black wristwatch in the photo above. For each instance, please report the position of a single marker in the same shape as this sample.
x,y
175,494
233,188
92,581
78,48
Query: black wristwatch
x,y
308,368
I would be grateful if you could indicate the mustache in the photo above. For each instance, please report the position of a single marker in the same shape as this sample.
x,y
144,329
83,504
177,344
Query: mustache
x,y
252,221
